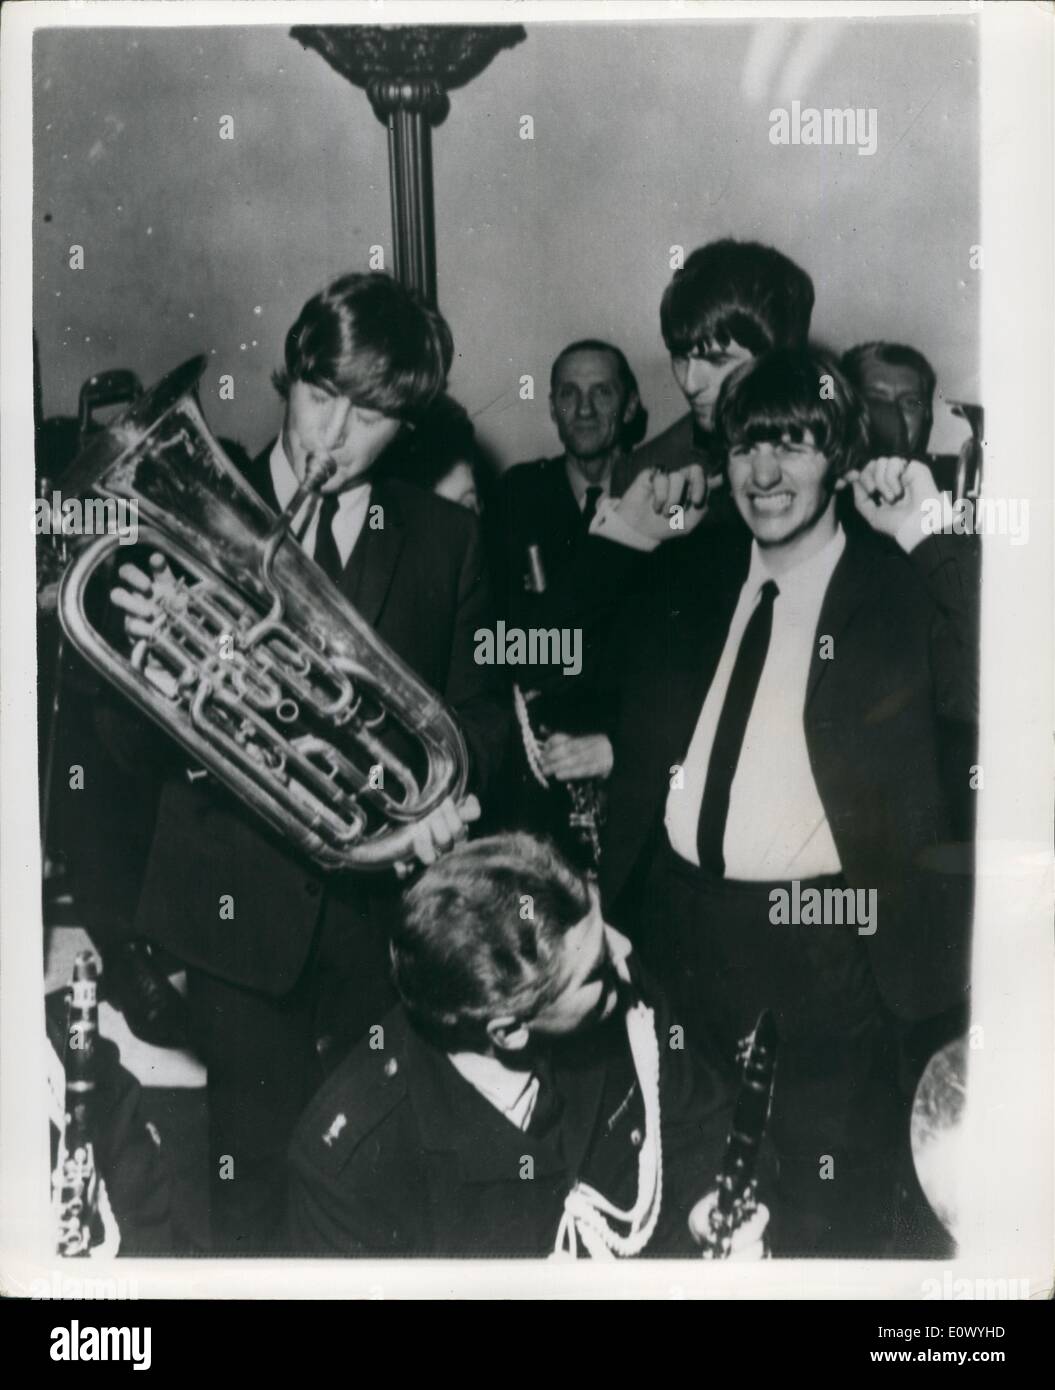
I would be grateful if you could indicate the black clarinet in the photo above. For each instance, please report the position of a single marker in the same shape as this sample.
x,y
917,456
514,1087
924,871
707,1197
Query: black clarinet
x,y
76,1178
737,1186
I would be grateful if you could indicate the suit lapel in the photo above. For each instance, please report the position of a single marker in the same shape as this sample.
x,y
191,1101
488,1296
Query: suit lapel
x,y
367,577
851,585
700,616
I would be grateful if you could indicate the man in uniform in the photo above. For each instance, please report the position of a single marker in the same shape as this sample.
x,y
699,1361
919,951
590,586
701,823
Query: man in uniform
x,y
529,1095
541,513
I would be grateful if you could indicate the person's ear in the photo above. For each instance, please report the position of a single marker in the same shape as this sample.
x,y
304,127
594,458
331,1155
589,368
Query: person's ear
x,y
633,405
507,1034
552,409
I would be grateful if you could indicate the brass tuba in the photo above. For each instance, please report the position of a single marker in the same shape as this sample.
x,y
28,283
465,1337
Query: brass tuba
x,y
257,665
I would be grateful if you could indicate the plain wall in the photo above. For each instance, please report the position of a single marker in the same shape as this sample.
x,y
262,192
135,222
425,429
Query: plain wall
x,y
644,138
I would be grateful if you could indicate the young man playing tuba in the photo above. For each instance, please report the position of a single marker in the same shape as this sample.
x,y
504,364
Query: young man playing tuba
x,y
296,967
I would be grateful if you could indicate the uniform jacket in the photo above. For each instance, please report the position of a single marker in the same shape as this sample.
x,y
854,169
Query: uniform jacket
x,y
399,1155
533,505
876,718
419,582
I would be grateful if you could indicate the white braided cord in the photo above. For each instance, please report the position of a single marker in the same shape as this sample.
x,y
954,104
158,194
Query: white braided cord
x,y
586,1209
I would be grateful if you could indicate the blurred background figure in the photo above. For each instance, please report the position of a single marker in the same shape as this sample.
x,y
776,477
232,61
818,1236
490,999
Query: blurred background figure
x,y
907,415
442,454
897,382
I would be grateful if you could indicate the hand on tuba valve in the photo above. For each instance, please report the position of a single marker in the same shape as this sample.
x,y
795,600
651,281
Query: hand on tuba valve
x,y
241,649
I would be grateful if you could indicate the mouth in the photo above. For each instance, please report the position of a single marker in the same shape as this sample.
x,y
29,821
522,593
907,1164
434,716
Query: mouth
x,y
771,503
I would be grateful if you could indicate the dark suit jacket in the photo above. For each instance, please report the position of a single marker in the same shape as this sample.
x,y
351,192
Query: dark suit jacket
x,y
675,447
905,665
678,446
399,1155
419,582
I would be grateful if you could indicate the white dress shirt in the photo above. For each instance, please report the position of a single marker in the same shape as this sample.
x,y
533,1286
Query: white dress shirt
x,y
777,827
352,507
512,1093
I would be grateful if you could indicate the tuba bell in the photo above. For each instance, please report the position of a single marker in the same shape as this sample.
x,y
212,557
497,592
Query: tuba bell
x,y
257,665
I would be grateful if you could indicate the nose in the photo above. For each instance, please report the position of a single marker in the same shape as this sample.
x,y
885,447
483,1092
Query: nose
x,y
910,424
336,422
765,467
697,376
585,408
890,429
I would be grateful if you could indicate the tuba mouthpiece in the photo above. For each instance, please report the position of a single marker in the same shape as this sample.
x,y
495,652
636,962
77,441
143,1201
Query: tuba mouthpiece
x,y
320,470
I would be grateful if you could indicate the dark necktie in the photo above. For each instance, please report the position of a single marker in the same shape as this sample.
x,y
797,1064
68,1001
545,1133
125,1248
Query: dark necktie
x,y
327,556
549,1107
589,511
729,735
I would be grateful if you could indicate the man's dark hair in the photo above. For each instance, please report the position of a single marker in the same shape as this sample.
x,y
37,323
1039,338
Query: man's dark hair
x,y
787,392
480,936
894,355
634,430
738,290
370,339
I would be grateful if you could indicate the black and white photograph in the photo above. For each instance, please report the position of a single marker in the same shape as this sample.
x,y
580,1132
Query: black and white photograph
x,y
527,696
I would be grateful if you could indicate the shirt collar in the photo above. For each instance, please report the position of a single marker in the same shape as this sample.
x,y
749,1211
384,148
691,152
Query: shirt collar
x,y
284,481
579,484
805,581
503,1086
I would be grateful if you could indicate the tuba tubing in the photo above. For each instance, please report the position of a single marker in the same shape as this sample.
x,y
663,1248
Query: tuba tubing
x,y
259,668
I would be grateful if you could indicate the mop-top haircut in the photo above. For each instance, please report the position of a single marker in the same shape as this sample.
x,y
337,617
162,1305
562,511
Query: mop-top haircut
x,y
738,290
783,394
370,339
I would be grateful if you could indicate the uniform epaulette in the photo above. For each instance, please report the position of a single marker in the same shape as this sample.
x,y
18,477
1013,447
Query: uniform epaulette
x,y
361,1093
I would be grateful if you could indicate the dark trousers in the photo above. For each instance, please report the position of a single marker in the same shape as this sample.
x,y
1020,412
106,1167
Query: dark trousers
x,y
266,1056
839,1120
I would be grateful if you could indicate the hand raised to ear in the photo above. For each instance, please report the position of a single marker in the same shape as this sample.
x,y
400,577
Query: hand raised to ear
x,y
888,492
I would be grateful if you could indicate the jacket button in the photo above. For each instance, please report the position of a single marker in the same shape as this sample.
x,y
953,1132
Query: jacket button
x,y
312,888
391,1067
636,1138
